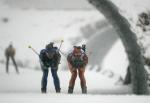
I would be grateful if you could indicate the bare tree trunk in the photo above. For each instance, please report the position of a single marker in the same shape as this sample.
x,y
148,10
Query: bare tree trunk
x,y
138,73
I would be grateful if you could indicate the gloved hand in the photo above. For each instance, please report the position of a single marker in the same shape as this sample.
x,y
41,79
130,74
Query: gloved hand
x,y
45,64
78,64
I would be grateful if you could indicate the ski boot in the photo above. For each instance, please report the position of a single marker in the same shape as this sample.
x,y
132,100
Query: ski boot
x,y
84,90
43,90
58,90
70,90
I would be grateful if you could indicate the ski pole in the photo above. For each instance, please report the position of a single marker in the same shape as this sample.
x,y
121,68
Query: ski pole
x,y
60,50
65,55
33,50
60,45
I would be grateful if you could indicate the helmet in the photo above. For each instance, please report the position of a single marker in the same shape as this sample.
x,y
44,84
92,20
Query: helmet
x,y
77,47
50,45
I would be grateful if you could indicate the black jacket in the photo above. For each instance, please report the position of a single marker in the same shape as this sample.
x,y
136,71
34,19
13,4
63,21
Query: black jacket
x,y
54,61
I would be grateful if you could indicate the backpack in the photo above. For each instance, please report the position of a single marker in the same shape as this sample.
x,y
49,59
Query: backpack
x,y
77,61
50,57
50,53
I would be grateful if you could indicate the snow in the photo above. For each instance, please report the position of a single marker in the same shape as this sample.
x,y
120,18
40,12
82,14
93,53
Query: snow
x,y
47,4
38,27
55,98
25,87
28,81
116,60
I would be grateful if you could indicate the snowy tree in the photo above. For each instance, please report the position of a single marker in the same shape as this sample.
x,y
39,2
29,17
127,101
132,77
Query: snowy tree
x,y
129,39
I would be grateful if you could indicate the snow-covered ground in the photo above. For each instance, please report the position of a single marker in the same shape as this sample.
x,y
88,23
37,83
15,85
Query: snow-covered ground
x,y
59,98
25,87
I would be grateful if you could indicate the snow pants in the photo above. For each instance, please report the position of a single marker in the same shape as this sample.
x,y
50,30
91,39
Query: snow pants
x,y
14,62
55,78
80,73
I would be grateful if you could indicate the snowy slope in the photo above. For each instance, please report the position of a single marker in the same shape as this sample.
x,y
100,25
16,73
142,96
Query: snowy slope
x,y
116,60
37,28
26,87
29,81
47,4
58,98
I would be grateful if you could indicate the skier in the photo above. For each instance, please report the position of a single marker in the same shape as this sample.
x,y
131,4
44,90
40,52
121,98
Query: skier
x,y
77,60
10,53
50,57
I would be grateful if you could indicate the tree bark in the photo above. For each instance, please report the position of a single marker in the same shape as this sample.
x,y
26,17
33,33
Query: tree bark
x,y
129,40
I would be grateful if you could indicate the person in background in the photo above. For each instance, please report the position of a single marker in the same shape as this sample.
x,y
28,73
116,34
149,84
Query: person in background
x,y
10,53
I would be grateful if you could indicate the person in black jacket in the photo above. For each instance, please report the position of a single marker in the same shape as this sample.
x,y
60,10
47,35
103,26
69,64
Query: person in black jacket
x,y
50,57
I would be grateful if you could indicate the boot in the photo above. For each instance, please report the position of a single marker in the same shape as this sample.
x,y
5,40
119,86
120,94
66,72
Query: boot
x,y
70,90
43,90
84,90
58,90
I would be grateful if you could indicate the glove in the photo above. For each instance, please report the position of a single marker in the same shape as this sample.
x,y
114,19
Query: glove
x,y
78,64
44,64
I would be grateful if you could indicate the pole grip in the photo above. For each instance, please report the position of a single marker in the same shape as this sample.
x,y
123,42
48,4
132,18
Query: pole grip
x,y
33,50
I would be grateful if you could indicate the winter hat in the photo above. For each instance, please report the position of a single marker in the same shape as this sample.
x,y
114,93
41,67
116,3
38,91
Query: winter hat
x,y
50,45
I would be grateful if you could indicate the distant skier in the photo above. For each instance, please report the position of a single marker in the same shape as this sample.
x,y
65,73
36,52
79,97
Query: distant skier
x,y
10,53
50,57
77,60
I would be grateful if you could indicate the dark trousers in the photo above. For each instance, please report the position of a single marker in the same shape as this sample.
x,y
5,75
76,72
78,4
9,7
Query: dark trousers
x,y
14,62
80,72
55,78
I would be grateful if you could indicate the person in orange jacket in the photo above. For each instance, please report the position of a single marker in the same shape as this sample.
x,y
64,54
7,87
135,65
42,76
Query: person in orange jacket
x,y
77,61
